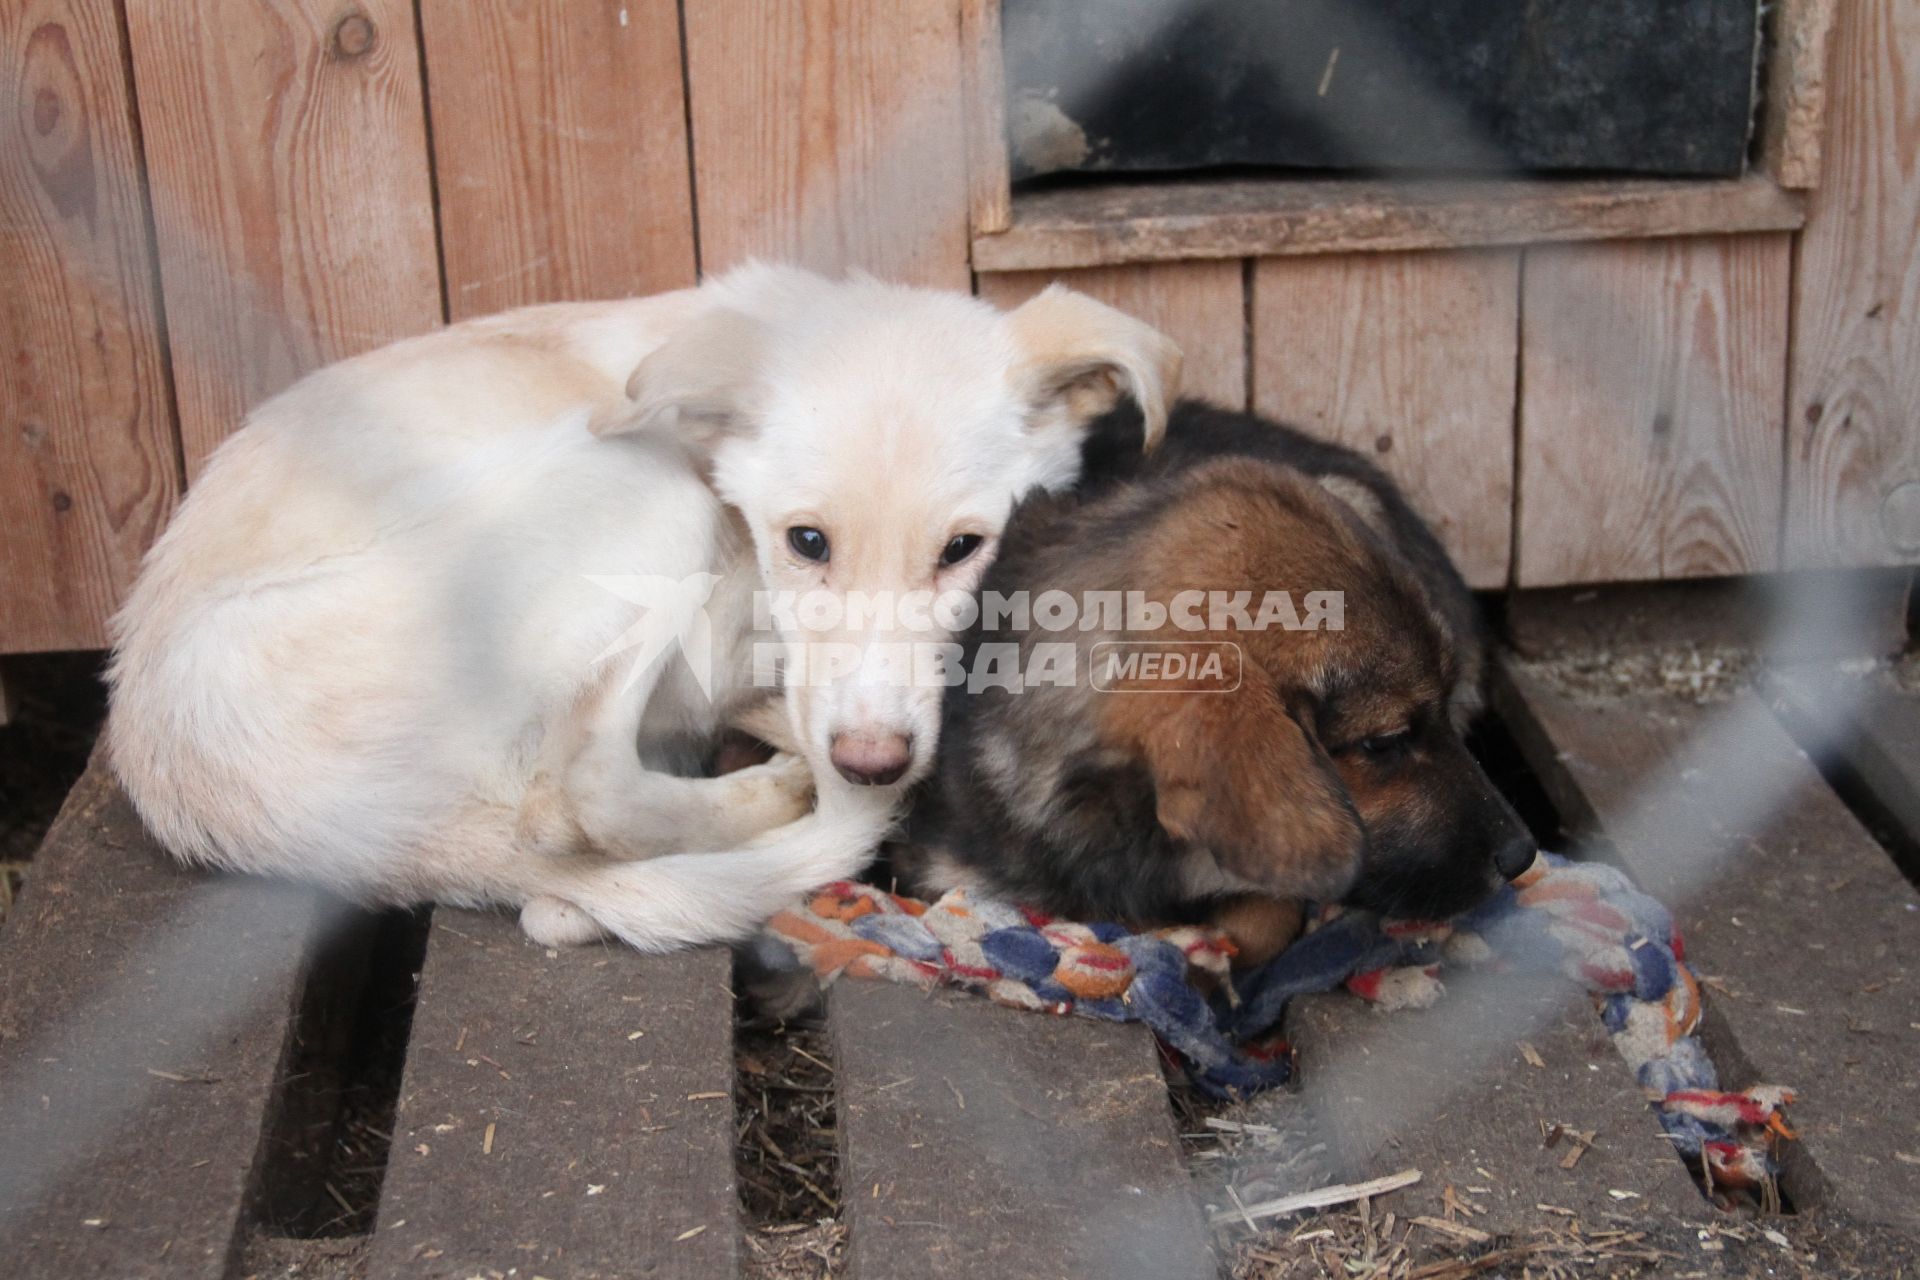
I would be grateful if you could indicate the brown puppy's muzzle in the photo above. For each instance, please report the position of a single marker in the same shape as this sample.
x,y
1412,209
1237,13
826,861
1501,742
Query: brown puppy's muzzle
x,y
1516,855
1447,850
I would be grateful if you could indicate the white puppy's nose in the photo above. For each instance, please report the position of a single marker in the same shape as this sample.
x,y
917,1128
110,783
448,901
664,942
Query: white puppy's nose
x,y
871,759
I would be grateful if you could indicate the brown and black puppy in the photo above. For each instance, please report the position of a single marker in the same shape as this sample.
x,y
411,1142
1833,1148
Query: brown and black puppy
x,y
1321,764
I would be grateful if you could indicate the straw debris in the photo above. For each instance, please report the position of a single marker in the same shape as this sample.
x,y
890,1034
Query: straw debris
x,y
787,1153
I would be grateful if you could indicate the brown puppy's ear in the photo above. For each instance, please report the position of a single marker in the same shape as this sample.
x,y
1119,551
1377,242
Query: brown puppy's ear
x,y
1360,498
1238,776
695,385
1457,630
1077,354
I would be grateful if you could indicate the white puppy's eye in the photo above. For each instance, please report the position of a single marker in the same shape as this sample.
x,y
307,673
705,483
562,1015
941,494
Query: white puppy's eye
x,y
962,546
808,543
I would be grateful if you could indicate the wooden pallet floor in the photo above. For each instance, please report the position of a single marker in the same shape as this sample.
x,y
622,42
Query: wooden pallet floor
x,y
571,1114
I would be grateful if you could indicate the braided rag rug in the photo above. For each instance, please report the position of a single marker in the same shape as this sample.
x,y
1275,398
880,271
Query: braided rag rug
x,y
1584,920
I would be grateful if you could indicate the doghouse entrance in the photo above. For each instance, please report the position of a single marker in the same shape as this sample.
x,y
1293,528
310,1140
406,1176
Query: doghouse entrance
x,y
1543,86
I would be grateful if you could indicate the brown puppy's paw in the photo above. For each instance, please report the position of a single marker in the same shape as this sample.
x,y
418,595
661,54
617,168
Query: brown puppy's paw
x,y
785,996
1260,927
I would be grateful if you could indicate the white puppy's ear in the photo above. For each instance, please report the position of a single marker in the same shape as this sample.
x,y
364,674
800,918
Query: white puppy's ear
x,y
696,385
1076,355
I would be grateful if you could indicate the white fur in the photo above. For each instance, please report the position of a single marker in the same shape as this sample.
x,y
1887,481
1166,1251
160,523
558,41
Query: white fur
x,y
368,652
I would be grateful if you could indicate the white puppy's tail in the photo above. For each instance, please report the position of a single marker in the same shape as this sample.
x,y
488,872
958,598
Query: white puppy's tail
x,y
687,899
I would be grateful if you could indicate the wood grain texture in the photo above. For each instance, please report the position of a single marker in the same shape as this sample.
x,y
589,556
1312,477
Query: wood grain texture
x,y
1869,725
831,134
565,1112
145,1019
89,468
981,1141
1650,417
1473,1113
1088,226
1411,359
1793,117
560,145
1853,485
291,199
984,81
1200,305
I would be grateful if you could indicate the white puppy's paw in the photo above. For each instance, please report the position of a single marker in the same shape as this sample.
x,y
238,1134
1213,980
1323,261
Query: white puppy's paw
x,y
772,794
555,922
795,780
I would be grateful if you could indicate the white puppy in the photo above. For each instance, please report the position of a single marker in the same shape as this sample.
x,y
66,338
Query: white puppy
x,y
391,644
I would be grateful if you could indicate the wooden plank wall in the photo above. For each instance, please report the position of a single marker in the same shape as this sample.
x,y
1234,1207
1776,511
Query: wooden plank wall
x,y
89,461
832,134
560,143
1651,417
1853,465
204,199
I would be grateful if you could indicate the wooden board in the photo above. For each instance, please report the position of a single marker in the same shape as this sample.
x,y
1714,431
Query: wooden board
x,y
1841,614
1200,305
1412,360
560,150
982,1141
144,1018
1794,108
983,81
1868,725
1783,899
831,134
1853,478
1254,217
288,155
536,1130
1650,410
88,465
1450,1092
